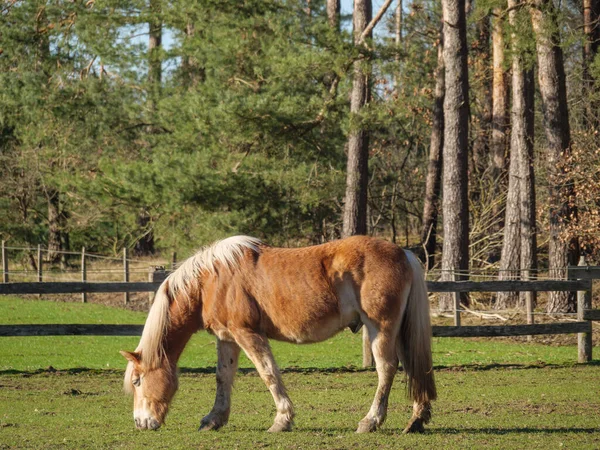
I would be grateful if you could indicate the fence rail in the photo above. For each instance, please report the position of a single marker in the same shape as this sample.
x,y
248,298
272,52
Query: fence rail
x,y
438,331
77,287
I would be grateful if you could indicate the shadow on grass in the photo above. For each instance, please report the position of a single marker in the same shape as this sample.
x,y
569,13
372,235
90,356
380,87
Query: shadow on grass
x,y
306,370
440,431
501,431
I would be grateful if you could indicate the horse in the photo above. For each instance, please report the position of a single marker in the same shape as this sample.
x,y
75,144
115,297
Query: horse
x,y
246,292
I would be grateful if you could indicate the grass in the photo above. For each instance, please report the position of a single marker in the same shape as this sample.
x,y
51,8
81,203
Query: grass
x,y
492,393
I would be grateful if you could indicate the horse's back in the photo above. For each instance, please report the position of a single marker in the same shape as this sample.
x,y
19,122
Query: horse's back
x,y
308,294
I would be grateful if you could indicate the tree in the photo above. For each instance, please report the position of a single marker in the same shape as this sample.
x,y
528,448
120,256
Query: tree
x,y
455,253
482,116
591,29
498,139
553,90
144,244
522,140
357,171
499,103
434,167
523,107
519,252
333,13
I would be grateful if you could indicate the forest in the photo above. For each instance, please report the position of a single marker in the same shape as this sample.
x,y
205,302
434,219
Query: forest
x,y
466,130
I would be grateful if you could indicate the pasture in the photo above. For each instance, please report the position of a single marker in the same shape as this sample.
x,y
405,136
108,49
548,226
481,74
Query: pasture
x,y
67,392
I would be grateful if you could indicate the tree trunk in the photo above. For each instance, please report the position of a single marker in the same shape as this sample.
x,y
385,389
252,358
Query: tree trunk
x,y
499,102
54,226
333,13
591,29
498,139
525,104
398,16
551,74
144,245
510,258
357,172
154,57
455,259
193,73
434,168
483,117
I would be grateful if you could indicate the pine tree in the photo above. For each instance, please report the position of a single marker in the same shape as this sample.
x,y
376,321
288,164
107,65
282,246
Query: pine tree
x,y
455,252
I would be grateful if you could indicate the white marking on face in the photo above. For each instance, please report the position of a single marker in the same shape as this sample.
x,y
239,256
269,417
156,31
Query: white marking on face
x,y
144,418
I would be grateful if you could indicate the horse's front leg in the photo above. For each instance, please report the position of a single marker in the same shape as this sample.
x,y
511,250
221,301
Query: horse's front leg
x,y
258,350
228,354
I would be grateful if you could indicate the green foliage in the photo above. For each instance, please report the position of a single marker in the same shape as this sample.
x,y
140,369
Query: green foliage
x,y
246,135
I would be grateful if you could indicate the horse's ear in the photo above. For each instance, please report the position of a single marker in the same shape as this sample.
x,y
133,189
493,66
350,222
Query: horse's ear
x,y
134,357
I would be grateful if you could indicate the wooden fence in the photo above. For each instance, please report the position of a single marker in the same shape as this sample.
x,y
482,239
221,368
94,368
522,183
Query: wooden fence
x,y
74,287
580,281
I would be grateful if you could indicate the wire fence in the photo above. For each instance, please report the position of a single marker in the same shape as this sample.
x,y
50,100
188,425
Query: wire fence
x,y
73,253
27,263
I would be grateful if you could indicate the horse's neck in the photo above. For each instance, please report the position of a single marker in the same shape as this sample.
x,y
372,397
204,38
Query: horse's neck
x,y
184,322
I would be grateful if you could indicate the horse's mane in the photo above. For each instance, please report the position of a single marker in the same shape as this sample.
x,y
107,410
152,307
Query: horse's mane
x,y
226,252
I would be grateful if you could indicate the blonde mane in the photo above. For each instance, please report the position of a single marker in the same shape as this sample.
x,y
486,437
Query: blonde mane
x,y
226,252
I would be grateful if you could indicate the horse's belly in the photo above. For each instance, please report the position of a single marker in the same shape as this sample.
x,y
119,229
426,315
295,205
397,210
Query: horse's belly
x,y
312,320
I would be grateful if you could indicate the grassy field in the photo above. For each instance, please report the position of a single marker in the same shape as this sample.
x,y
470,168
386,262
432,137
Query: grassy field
x,y
66,392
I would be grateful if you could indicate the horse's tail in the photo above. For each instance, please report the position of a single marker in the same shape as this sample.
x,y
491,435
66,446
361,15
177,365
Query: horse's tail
x,y
414,339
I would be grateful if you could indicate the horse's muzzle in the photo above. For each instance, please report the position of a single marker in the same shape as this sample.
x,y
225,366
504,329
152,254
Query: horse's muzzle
x,y
147,424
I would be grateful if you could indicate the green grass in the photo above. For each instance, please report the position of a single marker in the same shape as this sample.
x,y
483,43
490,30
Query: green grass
x,y
498,408
491,393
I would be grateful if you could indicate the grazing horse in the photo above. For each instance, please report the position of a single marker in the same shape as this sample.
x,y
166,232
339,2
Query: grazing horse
x,y
246,292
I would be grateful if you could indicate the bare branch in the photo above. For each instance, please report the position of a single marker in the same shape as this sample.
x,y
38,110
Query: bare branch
x,y
374,22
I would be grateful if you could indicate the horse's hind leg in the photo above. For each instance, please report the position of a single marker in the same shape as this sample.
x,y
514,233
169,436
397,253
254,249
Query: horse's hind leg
x,y
421,415
386,362
258,350
228,354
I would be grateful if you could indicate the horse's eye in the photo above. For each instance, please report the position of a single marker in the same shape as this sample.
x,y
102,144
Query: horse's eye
x,y
136,381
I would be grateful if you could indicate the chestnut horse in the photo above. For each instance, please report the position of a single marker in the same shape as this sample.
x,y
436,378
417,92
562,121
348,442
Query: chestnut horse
x,y
245,292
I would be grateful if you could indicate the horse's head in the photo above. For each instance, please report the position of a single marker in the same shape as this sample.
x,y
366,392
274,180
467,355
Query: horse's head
x,y
152,388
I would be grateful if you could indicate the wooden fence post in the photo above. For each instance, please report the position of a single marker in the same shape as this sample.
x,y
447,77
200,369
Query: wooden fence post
x,y
584,302
125,274
4,263
39,266
456,296
155,274
83,274
174,261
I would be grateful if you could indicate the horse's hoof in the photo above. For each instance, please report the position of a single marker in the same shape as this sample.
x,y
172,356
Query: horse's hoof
x,y
280,426
366,426
414,426
210,424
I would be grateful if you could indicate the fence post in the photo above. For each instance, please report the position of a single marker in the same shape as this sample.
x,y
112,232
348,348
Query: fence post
x,y
584,301
155,274
39,266
456,296
83,274
4,264
174,261
125,274
39,263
